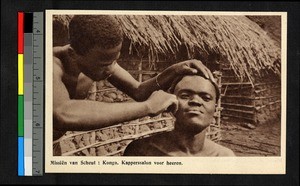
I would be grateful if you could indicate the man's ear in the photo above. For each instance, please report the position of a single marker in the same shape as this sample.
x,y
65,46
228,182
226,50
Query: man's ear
x,y
214,121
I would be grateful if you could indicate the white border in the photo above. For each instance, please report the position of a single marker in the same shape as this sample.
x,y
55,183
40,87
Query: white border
x,y
191,165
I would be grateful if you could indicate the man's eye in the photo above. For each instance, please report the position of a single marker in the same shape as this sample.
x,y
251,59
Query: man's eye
x,y
207,98
184,96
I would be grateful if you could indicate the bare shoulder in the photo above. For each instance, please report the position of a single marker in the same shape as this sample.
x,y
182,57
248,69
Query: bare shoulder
x,y
217,149
224,151
138,147
139,142
156,145
59,51
58,68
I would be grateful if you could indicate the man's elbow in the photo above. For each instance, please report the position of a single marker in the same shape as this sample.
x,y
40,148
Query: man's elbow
x,y
139,95
62,120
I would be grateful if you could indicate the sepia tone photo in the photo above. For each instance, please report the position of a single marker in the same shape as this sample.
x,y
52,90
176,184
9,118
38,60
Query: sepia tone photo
x,y
166,91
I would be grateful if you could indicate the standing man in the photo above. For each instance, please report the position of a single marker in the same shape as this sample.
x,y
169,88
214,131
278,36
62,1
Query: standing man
x,y
197,98
95,44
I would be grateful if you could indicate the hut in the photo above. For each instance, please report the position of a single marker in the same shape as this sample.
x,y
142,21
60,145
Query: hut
x,y
234,45
246,57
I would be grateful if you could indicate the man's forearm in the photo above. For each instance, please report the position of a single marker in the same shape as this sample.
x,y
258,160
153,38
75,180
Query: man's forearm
x,y
89,115
140,91
160,82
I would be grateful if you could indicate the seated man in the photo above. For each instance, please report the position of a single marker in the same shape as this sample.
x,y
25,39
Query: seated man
x,y
197,97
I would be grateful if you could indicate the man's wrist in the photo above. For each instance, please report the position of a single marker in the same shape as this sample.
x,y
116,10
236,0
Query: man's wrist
x,y
147,107
164,79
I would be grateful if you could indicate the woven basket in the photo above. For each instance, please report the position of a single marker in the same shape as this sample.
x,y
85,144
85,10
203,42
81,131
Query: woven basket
x,y
113,140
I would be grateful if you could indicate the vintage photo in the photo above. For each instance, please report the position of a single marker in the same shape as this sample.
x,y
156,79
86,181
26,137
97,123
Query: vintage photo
x,y
165,92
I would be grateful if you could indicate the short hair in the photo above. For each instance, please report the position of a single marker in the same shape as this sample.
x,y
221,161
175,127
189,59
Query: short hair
x,y
179,78
89,31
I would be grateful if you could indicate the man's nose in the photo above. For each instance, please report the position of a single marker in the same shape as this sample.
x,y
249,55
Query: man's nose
x,y
195,100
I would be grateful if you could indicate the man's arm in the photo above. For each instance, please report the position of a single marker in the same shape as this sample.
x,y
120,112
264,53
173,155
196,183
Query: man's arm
x,y
87,115
141,91
127,84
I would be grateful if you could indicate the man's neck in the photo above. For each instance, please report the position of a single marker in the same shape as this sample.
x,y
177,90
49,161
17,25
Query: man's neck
x,y
188,142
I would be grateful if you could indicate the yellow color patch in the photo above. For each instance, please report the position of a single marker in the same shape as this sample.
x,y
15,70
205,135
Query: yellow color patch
x,y
20,74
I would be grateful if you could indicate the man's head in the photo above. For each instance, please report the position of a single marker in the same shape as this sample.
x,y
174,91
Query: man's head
x,y
96,41
89,31
197,97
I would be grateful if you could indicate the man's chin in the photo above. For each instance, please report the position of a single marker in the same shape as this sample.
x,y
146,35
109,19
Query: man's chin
x,y
195,126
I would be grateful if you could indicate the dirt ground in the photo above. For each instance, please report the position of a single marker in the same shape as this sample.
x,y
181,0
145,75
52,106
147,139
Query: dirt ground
x,y
263,140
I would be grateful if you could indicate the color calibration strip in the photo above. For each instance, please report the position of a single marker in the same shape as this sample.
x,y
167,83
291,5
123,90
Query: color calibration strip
x,y
21,169
30,94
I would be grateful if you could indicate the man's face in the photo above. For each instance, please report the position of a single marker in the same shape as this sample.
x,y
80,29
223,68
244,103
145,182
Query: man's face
x,y
197,99
98,64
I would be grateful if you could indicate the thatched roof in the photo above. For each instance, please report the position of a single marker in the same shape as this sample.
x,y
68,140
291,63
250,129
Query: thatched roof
x,y
241,42
270,24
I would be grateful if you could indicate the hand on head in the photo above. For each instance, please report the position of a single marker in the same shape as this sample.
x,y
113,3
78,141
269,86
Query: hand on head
x,y
193,67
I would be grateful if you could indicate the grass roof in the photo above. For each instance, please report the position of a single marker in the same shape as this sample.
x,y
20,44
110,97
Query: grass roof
x,y
241,42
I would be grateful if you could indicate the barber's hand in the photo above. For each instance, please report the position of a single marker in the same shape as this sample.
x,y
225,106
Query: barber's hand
x,y
160,101
191,67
